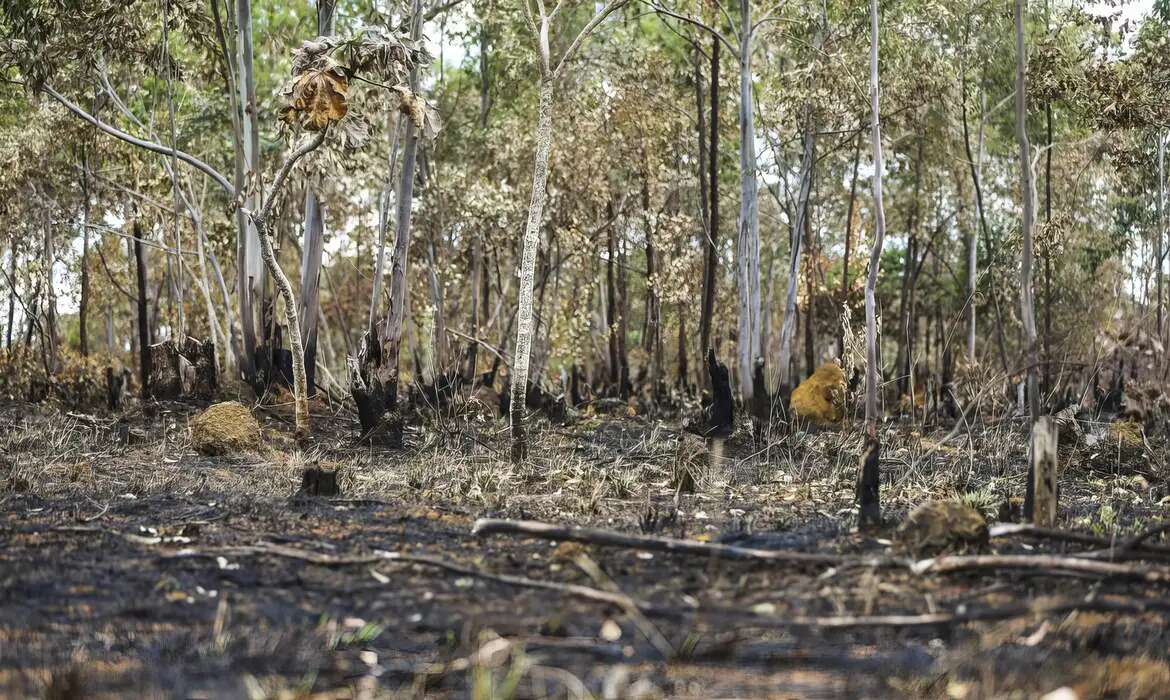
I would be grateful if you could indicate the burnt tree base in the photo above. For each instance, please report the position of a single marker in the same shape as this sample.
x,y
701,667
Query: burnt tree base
x,y
180,371
868,486
373,384
317,482
718,419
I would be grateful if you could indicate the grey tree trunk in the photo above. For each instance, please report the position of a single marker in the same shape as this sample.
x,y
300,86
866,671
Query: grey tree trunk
x,y
250,268
788,327
1027,196
748,238
711,260
869,481
1161,232
261,222
50,329
83,304
314,238
519,376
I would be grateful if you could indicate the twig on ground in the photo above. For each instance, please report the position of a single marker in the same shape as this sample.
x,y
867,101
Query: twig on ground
x,y
1041,562
609,538
741,618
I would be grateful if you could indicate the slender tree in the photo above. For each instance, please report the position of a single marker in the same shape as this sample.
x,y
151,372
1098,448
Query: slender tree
x,y
539,21
1027,218
869,482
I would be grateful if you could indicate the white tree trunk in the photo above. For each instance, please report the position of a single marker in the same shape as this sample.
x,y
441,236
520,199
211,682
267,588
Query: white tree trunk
x,y
519,375
1027,196
875,257
748,239
1160,235
788,327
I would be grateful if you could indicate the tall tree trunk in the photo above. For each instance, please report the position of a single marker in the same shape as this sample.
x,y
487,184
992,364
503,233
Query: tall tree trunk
x,y
748,238
848,242
711,261
906,315
144,341
1027,196
975,162
314,242
810,312
788,327
1048,220
611,296
179,282
1161,233
246,138
50,327
83,304
251,268
11,296
868,484
519,378
312,251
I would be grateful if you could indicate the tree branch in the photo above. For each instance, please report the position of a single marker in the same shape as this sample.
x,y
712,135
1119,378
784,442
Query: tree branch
x,y
141,143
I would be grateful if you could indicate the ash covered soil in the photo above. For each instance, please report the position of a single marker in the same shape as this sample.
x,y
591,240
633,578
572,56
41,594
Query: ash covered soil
x,y
132,566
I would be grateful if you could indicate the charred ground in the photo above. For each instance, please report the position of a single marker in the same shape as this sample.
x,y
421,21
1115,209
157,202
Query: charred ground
x,y
130,564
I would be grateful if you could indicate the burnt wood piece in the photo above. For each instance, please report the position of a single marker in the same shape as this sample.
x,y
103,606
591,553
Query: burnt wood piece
x,y
868,485
718,417
373,386
182,371
761,400
319,482
116,384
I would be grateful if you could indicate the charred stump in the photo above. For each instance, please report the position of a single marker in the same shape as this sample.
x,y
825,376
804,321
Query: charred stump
x,y
318,482
719,416
868,485
761,400
373,384
180,372
117,384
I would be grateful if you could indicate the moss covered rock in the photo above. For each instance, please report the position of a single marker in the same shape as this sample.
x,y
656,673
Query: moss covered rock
x,y
225,428
821,397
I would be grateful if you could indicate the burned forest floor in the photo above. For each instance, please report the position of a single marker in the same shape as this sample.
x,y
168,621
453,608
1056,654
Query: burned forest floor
x,y
133,566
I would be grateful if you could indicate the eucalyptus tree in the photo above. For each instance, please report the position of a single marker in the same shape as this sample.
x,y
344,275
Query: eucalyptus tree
x,y
1027,219
749,345
868,483
539,20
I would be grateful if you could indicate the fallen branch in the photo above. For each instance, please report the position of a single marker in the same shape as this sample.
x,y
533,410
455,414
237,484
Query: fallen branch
x,y
741,618
609,538
1045,563
1135,544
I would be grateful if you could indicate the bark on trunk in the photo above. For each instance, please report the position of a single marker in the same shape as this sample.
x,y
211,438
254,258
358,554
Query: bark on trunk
x,y
519,377
1027,310
314,239
711,261
848,243
869,481
143,323
788,327
83,304
748,238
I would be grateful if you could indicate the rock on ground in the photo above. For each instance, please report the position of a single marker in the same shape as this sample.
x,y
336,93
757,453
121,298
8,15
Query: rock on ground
x,y
225,428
